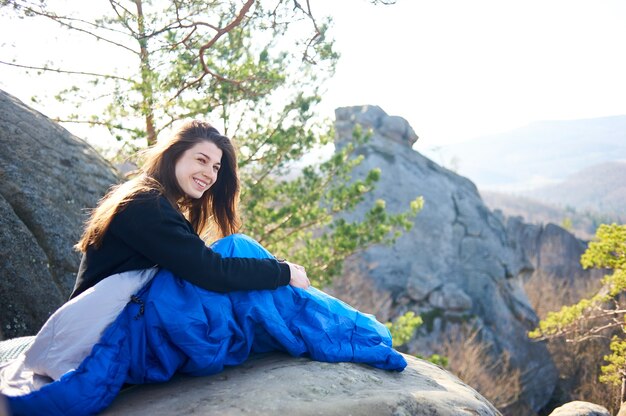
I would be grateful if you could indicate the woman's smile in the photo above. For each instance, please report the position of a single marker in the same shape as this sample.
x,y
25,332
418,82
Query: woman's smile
x,y
201,184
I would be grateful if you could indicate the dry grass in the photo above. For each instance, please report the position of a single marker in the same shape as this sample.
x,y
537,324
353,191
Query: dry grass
x,y
547,293
473,361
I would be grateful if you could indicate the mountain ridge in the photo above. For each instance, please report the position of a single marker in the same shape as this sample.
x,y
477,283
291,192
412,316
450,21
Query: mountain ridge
x,y
540,153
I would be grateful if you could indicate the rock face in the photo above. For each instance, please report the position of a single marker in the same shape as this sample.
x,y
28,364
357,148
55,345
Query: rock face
x,y
558,279
555,255
277,384
47,179
456,267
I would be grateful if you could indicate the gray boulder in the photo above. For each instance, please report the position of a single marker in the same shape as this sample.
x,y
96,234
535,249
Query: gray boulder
x,y
277,384
456,267
579,408
48,178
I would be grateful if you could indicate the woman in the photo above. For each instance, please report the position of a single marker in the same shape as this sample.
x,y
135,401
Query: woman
x,y
152,299
188,184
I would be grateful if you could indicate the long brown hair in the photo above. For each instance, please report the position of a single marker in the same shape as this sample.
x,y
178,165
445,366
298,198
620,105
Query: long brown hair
x,y
215,211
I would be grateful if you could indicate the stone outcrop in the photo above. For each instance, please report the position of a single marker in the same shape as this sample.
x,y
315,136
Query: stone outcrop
x,y
48,178
456,267
555,256
579,408
277,384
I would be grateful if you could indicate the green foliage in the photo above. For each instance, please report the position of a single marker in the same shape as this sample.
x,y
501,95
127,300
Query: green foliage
x,y
567,224
228,62
560,323
436,359
298,218
440,360
615,371
602,312
609,251
403,328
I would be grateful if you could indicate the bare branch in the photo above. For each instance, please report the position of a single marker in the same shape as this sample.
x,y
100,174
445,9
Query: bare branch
x,y
61,20
114,6
63,71
220,32
316,35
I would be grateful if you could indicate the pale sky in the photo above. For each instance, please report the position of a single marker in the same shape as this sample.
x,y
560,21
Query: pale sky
x,y
455,69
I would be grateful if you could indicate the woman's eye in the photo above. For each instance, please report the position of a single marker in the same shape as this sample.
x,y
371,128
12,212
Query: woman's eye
x,y
202,161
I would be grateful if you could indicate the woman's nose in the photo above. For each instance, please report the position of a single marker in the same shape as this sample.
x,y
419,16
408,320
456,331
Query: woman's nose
x,y
210,174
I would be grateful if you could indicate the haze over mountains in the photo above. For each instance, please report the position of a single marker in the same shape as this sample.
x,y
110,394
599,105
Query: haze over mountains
x,y
539,154
598,188
564,172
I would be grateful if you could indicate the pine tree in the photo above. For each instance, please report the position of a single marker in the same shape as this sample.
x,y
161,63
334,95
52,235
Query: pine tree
x,y
255,67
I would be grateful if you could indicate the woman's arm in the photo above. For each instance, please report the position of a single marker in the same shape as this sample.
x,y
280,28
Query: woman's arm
x,y
152,227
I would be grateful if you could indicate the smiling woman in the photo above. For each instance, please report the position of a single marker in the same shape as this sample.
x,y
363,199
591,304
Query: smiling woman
x,y
189,186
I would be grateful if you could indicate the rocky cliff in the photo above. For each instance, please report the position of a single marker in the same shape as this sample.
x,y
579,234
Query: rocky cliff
x,y
457,267
558,277
48,178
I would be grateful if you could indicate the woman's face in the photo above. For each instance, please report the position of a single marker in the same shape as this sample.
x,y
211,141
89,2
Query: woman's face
x,y
197,169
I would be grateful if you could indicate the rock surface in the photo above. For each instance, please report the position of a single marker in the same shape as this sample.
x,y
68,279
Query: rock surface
x,y
579,408
277,384
456,267
48,178
555,255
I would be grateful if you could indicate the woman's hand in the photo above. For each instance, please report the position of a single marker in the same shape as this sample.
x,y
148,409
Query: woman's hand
x,y
298,276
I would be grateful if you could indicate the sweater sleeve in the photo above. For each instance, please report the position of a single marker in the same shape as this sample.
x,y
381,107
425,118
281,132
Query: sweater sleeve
x,y
154,228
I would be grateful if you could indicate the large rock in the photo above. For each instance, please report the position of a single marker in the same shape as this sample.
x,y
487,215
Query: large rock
x,y
277,384
456,267
578,408
48,178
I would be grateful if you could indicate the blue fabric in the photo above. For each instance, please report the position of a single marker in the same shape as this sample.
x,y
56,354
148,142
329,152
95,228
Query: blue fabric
x,y
194,331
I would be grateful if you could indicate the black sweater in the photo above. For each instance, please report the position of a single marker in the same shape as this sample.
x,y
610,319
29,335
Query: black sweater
x,y
149,232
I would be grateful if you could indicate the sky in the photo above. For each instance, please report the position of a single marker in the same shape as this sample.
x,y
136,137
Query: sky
x,y
459,69
454,69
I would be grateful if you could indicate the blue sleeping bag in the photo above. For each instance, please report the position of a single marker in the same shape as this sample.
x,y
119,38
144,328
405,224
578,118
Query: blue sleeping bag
x,y
174,326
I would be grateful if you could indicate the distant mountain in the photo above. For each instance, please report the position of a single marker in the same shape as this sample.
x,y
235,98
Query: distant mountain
x,y
581,202
582,223
539,154
600,188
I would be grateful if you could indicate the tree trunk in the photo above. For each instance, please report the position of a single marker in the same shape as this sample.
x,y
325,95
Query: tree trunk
x,y
146,71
